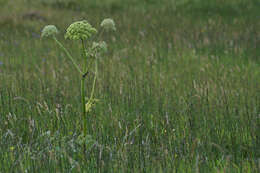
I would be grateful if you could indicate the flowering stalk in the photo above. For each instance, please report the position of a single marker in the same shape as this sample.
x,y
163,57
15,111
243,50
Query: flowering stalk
x,y
82,30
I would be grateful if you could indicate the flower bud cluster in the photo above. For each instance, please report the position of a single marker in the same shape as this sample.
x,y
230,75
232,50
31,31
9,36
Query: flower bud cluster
x,y
99,46
49,31
80,30
108,24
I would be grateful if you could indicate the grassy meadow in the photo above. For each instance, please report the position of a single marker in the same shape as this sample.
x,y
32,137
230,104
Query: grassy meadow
x,y
179,88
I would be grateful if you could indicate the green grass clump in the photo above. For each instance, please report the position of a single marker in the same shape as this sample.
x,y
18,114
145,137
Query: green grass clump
x,y
179,89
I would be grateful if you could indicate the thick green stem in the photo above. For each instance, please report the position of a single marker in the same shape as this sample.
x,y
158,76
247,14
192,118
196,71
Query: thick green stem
x,y
83,102
69,56
84,55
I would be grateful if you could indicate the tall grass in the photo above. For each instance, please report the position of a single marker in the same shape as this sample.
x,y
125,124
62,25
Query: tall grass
x,y
180,91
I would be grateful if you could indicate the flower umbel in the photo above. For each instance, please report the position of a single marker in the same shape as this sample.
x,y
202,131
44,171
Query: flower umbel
x,y
99,46
80,30
108,24
49,31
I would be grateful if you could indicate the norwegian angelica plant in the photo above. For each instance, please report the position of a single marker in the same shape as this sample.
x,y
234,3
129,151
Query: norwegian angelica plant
x,y
82,31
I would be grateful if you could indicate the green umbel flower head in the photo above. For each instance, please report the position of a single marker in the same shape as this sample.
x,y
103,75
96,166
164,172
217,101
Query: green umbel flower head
x,y
99,47
108,24
49,31
80,30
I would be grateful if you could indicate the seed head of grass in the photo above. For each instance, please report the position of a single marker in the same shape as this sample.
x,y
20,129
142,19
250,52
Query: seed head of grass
x,y
49,31
80,30
108,24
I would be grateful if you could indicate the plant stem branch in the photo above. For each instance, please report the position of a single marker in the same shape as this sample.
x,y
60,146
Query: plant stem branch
x,y
69,56
94,82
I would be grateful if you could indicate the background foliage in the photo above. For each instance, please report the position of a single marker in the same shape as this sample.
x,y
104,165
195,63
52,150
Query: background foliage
x,y
179,89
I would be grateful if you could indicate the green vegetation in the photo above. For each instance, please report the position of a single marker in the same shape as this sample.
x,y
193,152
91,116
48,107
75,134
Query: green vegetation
x,y
179,88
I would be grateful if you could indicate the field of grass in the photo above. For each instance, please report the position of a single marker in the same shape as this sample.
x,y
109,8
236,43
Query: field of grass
x,y
179,89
